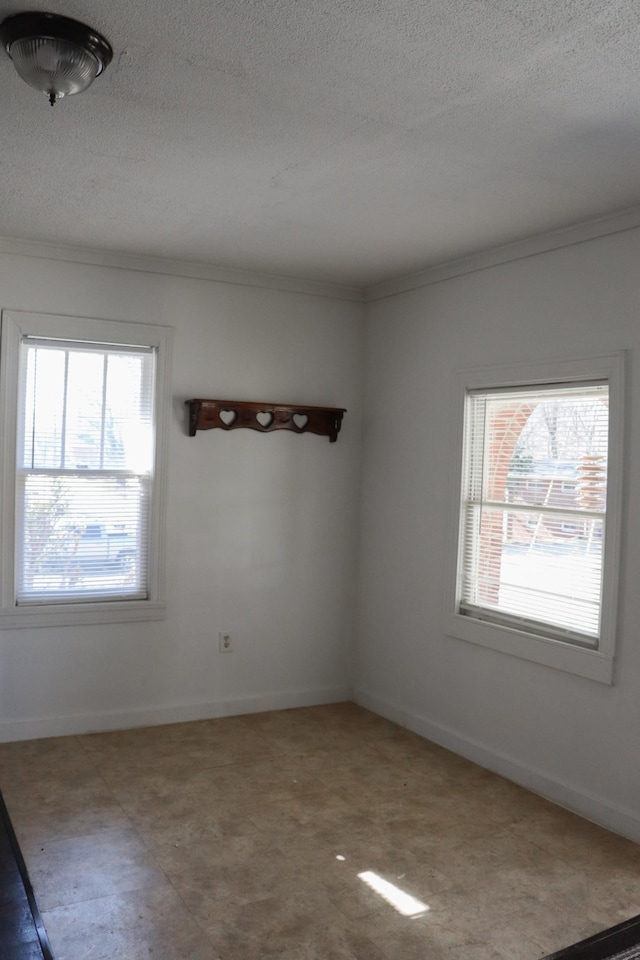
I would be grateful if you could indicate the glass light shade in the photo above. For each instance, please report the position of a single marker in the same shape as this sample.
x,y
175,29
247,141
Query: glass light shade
x,y
56,67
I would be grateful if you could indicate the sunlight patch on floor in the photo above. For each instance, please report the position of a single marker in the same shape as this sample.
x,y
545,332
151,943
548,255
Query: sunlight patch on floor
x,y
403,902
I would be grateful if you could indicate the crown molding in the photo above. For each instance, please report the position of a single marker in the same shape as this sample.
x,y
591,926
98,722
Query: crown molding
x,y
177,268
581,232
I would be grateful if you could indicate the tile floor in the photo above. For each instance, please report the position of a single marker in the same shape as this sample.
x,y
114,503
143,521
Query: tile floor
x,y
325,833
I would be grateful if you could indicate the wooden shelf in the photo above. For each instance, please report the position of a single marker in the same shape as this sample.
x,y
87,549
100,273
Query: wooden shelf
x,y
264,417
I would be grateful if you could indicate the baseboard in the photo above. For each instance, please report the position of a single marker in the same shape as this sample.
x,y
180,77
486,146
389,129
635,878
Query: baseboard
x,y
596,809
11,730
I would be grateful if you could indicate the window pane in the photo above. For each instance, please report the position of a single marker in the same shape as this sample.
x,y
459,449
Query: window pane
x,y
128,434
536,567
84,486
88,409
553,451
83,537
534,505
44,408
84,427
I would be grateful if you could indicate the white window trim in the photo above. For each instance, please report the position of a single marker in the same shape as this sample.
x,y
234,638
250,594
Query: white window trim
x,y
15,325
592,664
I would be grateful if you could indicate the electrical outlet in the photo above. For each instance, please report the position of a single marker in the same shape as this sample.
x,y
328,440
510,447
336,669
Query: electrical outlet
x,y
226,643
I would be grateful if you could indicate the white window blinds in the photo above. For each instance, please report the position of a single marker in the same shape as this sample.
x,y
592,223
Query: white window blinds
x,y
534,509
84,471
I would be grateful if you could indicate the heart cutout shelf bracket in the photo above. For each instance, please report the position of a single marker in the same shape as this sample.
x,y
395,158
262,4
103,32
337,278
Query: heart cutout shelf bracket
x,y
264,417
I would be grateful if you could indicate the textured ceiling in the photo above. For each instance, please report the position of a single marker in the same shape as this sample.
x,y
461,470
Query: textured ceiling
x,y
342,140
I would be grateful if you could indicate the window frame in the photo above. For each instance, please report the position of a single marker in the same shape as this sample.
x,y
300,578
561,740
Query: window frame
x,y
15,325
595,664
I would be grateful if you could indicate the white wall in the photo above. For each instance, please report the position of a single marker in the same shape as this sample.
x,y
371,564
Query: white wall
x,y
572,739
260,528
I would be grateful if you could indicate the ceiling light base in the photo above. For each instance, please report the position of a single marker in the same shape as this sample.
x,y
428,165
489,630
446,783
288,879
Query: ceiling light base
x,y
55,54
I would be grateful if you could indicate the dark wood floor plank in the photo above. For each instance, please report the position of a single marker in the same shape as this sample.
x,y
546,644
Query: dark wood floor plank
x,y
604,945
22,933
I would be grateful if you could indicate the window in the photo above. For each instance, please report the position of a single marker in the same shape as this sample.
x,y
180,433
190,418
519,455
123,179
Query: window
x,y
536,558
82,471
570,528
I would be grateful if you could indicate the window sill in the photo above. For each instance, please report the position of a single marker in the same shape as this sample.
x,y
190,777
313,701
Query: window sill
x,y
580,661
68,615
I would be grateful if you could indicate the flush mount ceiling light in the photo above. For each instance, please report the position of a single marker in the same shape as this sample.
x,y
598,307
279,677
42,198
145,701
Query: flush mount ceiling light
x,y
53,54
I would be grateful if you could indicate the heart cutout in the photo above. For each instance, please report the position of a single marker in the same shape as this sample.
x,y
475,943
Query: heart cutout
x,y
300,420
264,418
228,417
